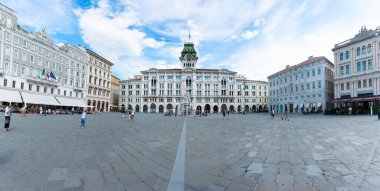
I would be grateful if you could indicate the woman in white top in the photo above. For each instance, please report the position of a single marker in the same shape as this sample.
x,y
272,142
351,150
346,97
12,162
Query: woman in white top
x,y
83,119
7,121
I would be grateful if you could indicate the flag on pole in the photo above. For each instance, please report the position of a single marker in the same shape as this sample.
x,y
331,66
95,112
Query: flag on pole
x,y
52,75
47,75
43,73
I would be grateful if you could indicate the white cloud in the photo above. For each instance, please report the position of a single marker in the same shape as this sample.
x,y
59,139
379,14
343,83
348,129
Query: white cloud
x,y
54,15
249,34
150,42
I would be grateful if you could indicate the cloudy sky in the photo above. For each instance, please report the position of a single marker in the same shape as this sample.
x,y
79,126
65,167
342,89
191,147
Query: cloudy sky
x,y
253,37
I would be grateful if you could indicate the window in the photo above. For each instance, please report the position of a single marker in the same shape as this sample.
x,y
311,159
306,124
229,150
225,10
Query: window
x,y
308,74
30,87
13,84
347,69
364,83
348,85
364,65
358,67
5,82
369,48
370,83
6,66
363,50
319,72
7,50
347,55
15,52
14,69
359,84
341,56
313,72
369,64
23,71
358,51
39,61
31,58
341,70
319,84
341,86
47,64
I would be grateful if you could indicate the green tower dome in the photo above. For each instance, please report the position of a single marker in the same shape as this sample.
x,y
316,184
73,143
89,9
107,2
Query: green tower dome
x,y
188,48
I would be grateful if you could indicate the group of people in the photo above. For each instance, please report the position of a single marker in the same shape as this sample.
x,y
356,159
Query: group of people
x,y
226,112
282,118
130,112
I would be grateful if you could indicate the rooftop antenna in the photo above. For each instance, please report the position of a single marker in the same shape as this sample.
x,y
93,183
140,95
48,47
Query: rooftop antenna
x,y
189,35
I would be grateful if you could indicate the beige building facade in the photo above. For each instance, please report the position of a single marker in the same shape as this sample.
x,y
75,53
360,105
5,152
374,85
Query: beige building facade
x,y
99,82
115,89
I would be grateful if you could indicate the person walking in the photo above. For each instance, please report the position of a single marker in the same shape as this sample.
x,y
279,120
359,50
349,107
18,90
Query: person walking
x,y
72,111
7,121
132,114
286,114
228,114
224,113
83,119
272,114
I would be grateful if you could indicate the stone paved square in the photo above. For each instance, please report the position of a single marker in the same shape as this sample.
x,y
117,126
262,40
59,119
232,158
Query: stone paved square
x,y
245,152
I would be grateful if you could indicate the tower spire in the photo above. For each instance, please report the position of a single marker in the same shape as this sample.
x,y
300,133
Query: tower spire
x,y
189,36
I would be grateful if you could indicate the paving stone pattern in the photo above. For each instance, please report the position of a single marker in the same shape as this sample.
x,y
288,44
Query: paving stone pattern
x,y
245,152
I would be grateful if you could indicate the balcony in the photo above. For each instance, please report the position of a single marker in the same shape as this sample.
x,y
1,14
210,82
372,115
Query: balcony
x,y
42,81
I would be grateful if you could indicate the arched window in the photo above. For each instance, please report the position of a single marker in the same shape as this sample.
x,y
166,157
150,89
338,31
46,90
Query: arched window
x,y
369,48
358,51
341,56
363,50
364,83
342,86
370,82
154,81
224,82
348,85
188,81
347,54
359,84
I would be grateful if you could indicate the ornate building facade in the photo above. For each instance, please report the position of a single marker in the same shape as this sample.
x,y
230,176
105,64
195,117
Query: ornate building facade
x,y
42,72
99,82
305,87
209,90
115,89
357,71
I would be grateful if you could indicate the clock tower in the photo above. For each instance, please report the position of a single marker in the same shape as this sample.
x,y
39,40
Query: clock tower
x,y
188,56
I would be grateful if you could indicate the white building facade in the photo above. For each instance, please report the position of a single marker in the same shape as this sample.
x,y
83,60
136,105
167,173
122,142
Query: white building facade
x,y
208,90
304,87
43,73
357,71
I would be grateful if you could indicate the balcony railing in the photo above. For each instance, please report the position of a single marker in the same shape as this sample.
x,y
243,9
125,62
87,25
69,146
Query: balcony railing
x,y
41,80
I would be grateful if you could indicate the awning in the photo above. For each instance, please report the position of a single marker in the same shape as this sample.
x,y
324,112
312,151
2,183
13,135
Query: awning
x,y
63,101
8,95
319,104
301,106
39,99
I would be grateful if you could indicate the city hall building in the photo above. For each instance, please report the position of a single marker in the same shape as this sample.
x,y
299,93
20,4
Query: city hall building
x,y
305,87
33,70
205,90
357,71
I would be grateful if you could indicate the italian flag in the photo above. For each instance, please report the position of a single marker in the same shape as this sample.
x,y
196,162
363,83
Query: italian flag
x,y
44,73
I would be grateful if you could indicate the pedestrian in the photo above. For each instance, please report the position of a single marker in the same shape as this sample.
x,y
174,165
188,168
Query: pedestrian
x,y
228,114
224,113
286,114
41,110
132,114
129,114
72,111
83,119
123,111
45,111
272,114
7,121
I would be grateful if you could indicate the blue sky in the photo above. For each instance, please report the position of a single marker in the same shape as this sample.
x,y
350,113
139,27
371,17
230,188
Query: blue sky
x,y
254,38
